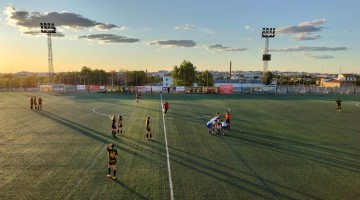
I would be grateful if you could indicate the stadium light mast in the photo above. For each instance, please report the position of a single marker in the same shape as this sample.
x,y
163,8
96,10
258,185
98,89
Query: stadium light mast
x,y
267,33
49,28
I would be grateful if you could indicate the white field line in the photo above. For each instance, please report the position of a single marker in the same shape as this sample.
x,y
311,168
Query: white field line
x,y
167,153
94,110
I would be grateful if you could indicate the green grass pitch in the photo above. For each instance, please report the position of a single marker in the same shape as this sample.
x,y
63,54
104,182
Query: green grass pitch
x,y
279,147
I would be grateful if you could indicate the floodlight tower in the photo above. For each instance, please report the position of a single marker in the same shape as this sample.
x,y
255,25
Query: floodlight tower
x,y
267,33
49,28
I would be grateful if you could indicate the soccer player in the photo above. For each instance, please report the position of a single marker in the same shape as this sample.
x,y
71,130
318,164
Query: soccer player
x,y
166,107
227,120
112,160
40,100
35,103
31,103
138,97
338,104
148,129
113,126
223,126
219,128
120,124
212,123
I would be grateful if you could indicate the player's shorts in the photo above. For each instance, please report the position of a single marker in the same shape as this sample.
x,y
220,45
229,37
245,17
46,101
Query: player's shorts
x,y
112,166
148,129
227,121
209,125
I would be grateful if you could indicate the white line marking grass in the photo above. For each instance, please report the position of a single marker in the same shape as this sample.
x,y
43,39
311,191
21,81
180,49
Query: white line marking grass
x,y
167,154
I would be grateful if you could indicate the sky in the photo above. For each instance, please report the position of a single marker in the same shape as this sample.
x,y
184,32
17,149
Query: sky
x,y
311,35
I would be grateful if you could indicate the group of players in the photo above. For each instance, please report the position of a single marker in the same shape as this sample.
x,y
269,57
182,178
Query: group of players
x,y
116,128
36,103
217,126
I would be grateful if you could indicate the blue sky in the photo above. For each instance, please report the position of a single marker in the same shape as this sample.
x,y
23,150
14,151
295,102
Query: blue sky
x,y
312,36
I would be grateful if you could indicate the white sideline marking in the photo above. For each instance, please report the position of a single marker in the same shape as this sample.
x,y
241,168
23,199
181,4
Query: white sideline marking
x,y
167,154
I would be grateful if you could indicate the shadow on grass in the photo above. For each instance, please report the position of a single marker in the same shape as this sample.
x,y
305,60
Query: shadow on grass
x,y
324,155
141,148
96,135
196,163
86,131
137,194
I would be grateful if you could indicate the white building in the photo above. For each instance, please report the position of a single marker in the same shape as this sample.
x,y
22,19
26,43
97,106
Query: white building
x,y
346,77
167,80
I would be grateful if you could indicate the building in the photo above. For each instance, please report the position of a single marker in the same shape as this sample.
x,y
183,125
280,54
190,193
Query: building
x,y
167,80
348,79
331,83
342,80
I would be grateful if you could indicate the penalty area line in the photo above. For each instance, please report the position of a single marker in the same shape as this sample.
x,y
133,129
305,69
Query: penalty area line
x,y
167,153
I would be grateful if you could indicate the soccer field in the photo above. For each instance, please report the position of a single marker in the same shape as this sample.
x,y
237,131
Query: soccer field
x,y
279,147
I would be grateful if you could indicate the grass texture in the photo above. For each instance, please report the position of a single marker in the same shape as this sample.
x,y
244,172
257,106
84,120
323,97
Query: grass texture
x,y
279,147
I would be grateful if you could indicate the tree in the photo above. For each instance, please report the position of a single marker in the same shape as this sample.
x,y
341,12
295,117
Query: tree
x,y
138,78
184,74
98,77
267,77
206,79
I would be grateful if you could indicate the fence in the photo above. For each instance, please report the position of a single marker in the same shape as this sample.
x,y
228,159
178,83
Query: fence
x,y
317,90
280,89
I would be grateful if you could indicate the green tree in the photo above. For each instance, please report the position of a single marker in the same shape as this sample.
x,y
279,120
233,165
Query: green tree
x,y
138,78
154,80
267,77
98,76
184,74
206,79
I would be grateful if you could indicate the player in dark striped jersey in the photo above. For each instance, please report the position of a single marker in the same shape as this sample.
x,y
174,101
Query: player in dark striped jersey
x,y
112,160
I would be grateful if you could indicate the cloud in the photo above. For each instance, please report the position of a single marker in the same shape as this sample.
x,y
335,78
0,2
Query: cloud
x,y
35,33
313,22
303,30
218,48
28,21
174,43
306,36
109,38
249,28
207,31
306,48
185,27
322,57
102,26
